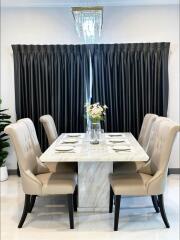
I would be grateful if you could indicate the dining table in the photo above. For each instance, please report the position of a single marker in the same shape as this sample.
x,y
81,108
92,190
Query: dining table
x,y
95,163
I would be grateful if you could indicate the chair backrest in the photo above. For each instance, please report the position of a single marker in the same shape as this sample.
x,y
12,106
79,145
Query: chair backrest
x,y
49,127
160,144
146,127
159,149
21,139
32,130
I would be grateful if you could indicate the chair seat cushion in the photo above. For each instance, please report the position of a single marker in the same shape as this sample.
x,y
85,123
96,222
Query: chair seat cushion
x,y
130,184
56,183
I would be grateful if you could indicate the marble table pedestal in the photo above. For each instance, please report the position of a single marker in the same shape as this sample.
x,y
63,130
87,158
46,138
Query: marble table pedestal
x,y
93,185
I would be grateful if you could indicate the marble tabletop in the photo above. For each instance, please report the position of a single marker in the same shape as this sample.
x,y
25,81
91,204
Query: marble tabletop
x,y
84,151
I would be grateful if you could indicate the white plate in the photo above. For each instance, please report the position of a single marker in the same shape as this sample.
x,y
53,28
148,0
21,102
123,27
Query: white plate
x,y
116,134
64,148
121,148
70,140
74,135
117,140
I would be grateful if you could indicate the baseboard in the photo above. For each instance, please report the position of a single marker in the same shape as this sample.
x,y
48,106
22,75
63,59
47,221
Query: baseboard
x,y
174,171
12,171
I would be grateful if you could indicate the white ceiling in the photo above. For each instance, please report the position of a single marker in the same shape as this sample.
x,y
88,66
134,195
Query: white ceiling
x,y
73,3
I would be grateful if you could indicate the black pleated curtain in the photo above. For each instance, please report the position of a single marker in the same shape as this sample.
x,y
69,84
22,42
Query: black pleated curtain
x,y
132,80
51,79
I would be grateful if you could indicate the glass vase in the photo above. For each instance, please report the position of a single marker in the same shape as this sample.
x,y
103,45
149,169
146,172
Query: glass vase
x,y
95,132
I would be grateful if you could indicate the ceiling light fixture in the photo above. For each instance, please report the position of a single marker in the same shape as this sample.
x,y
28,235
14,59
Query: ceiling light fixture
x,y
88,22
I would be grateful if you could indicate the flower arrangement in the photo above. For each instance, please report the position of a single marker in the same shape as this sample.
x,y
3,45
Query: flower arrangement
x,y
96,112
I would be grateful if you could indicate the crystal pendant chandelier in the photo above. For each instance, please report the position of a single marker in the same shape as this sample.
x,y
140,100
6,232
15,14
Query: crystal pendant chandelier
x,y
88,22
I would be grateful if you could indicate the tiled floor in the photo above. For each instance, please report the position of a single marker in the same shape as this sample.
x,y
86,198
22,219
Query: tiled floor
x,y
49,219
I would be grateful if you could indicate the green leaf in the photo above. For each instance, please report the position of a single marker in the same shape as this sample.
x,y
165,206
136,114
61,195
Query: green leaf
x,y
5,121
4,116
4,139
4,144
3,135
3,154
3,110
1,163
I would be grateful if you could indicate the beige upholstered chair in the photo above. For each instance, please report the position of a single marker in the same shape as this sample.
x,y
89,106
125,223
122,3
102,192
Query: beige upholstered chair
x,y
51,133
49,127
36,180
146,127
150,180
143,140
53,167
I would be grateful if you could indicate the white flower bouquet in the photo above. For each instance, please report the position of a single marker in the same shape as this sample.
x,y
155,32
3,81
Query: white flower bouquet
x,y
96,112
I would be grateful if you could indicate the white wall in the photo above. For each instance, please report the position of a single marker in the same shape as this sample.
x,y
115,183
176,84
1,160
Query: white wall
x,y
120,24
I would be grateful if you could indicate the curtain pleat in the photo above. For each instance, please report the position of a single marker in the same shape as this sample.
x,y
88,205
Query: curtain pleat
x,y
51,79
132,80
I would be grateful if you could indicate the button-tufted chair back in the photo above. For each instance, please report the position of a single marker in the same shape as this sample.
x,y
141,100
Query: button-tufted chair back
x,y
146,129
31,128
21,139
49,127
159,149
160,144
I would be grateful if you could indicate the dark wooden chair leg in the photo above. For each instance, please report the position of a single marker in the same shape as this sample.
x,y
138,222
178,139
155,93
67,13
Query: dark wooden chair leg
x,y
162,210
32,202
116,214
25,210
155,203
75,195
111,200
71,210
75,198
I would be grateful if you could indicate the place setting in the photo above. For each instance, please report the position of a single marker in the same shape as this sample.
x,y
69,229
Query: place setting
x,y
121,148
118,140
65,149
68,143
74,135
111,135
70,138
